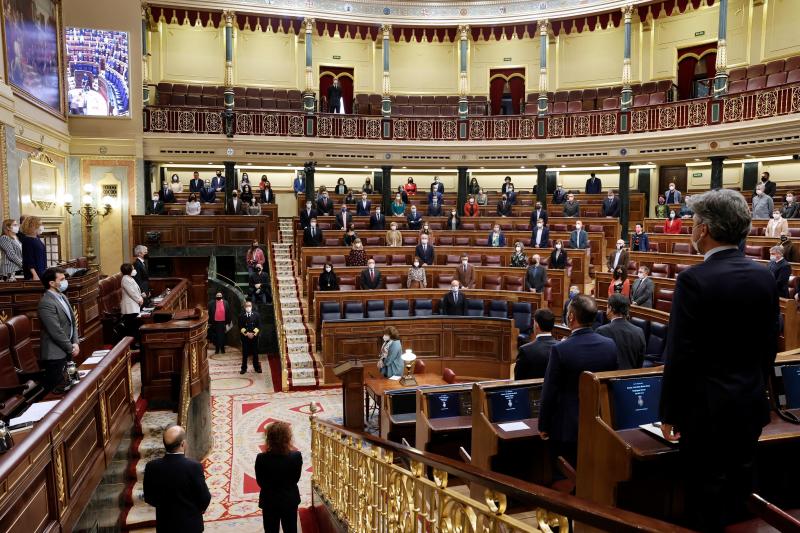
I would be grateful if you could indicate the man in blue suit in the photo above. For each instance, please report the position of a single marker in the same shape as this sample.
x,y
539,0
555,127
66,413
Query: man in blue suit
x,y
437,185
207,194
718,363
414,219
583,351
299,185
425,250
218,182
540,235
579,239
363,206
435,208
195,184
593,185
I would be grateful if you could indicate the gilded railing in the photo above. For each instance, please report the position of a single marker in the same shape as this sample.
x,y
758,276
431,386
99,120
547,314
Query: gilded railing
x,y
283,349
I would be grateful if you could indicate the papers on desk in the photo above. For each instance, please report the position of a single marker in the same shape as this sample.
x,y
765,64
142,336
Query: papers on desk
x,y
655,430
101,353
395,378
513,426
33,414
96,357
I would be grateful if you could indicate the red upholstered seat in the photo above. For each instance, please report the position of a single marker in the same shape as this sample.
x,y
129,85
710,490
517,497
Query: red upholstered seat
x,y
641,100
611,103
754,84
649,87
756,71
443,281
660,270
793,76
664,299
559,108
774,66
603,92
575,106
737,74
19,329
491,283
347,282
491,260
513,283
664,86
399,259
11,391
561,96
778,78
680,267
575,94
393,282
380,260
657,98
756,252
738,86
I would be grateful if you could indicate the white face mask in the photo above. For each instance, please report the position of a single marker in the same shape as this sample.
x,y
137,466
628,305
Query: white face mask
x,y
773,258
248,309
314,225
776,216
619,246
155,198
578,227
416,264
425,241
377,211
308,206
672,187
759,192
540,225
518,249
327,269
41,230
641,275
394,228
14,229
386,338
672,215
558,246
452,213
133,273
464,263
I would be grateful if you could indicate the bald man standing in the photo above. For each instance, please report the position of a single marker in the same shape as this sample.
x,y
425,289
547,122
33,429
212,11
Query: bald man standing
x,y
176,486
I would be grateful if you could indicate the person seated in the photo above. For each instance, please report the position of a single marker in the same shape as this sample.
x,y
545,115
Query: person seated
x,y
559,195
686,211
776,225
629,339
370,277
536,275
506,184
155,206
558,257
791,209
435,208
410,188
367,187
258,281
340,188
497,238
539,213
610,207
434,194
518,258
437,185
417,279
414,219
266,195
482,198
389,362
364,206
642,289
344,218
328,281
454,303
572,208
247,193
532,357
307,214
672,195
540,235
350,235
208,194
620,283
324,205
780,269
357,255
465,273
453,220
673,224
474,187
312,235
377,220
192,205
235,206
471,208
504,207
619,257
639,240
166,195
578,238
662,208
424,250
393,236
403,194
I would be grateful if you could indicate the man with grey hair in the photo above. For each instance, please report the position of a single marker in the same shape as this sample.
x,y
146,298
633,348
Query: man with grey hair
x,y
142,276
717,363
762,203
780,269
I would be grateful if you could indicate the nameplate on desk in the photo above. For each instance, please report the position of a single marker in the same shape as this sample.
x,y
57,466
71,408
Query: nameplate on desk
x,y
513,426
33,414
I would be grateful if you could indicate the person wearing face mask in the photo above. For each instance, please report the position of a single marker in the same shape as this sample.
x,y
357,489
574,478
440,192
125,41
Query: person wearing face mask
x,y
424,250
254,256
263,182
769,186
672,195
165,194
131,302
394,237
328,281
762,203
195,184
335,100
344,218
324,205
11,260
437,185
410,188
249,327
594,185
536,275
718,363
340,188
357,255
518,257
619,257
389,362
465,273
662,208
504,207
34,254
640,242
247,193
414,219
141,272
235,204
572,207
435,207
776,225
175,184
558,257
299,184
781,269
673,224
610,207
367,187
540,235
474,187
193,207
218,182
307,214
219,316
686,211
377,221
791,209
453,220
267,195
59,330
350,235
364,206
578,238
573,292
208,194
471,208
539,213
642,290
454,303
496,238
417,279
435,194
258,282
559,195
370,277
506,185
620,284
155,206
482,198
511,195
398,206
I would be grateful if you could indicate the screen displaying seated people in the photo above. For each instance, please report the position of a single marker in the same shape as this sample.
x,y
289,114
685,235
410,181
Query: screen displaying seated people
x,y
444,404
635,401
791,386
98,77
513,403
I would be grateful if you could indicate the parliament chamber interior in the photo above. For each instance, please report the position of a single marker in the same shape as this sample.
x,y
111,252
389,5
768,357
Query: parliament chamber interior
x,y
490,267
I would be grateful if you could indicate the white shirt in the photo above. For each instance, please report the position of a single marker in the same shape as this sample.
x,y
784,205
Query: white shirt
x,y
539,234
543,335
616,258
718,249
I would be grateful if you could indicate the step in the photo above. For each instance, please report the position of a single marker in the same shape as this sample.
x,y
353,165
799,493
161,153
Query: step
x,y
117,472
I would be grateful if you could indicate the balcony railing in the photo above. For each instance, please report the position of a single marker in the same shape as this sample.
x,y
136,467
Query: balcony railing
x,y
699,112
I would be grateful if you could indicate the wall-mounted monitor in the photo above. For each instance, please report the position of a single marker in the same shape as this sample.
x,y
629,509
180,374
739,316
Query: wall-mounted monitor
x,y
98,73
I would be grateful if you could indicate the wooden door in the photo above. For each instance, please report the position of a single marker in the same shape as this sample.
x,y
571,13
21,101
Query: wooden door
x,y
676,175
346,79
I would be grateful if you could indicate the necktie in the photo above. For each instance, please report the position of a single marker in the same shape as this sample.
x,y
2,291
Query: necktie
x,y
371,274
455,297
312,232
248,315
465,268
424,247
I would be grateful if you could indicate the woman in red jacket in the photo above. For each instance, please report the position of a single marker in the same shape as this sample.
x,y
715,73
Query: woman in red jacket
x,y
410,187
471,208
673,224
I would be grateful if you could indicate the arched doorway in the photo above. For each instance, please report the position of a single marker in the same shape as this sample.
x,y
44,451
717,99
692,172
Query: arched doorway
x,y
516,81
696,66
346,79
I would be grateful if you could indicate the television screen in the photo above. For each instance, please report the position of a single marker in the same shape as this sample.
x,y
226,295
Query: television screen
x,y
791,385
404,402
444,404
98,77
635,401
506,405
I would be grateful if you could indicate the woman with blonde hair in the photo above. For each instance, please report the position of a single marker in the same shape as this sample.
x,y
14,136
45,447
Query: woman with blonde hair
x,y
357,255
278,471
11,263
34,255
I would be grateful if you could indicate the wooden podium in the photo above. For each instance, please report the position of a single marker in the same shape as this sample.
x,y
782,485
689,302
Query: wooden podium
x,y
352,375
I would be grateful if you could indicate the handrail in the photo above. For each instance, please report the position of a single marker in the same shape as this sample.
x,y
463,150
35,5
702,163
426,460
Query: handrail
x,y
283,350
372,475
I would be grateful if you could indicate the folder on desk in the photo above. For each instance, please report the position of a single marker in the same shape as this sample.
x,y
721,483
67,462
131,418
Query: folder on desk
x,y
33,414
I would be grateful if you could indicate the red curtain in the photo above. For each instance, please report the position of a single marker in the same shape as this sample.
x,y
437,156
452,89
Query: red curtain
x,y
345,77
498,78
687,63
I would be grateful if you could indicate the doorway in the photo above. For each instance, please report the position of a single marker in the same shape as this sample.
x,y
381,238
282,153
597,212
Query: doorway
x,y
676,175
346,82
696,70
498,77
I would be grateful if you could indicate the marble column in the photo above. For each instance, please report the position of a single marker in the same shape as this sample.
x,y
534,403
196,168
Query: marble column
x,y
145,56
716,170
229,16
721,78
309,103
463,109
386,100
626,101
541,185
463,188
544,27
624,198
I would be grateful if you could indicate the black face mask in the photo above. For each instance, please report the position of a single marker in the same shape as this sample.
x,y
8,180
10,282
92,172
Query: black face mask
x,y
784,238
219,297
764,178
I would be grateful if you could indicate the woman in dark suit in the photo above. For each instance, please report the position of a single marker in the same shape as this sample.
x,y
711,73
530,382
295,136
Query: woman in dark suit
x,y
277,473
34,255
558,259
328,280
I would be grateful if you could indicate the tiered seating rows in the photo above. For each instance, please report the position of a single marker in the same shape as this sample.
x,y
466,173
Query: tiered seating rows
x,y
764,75
180,94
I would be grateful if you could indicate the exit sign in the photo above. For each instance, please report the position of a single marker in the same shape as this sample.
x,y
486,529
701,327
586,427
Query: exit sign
x,y
507,59
697,174
337,57
699,33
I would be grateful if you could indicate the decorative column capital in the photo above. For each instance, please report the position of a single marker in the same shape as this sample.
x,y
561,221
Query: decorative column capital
x,y
145,7
229,15
627,13
386,30
544,27
309,24
463,31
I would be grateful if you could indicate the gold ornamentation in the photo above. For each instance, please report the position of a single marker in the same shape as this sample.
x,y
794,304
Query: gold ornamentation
x,y
373,128
424,129
130,378
3,316
77,318
608,123
103,420
555,126
400,128
581,125
722,57
733,109
4,165
795,99
449,130
639,120
698,114
766,104
186,121
477,129
295,125
244,124
527,128
183,414
58,461
270,124
324,125
349,127
502,128
158,120
213,122
667,117
193,358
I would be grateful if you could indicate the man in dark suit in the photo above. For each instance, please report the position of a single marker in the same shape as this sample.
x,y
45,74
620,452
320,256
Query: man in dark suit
x,y
769,186
142,276
540,235
718,363
781,270
578,238
504,207
535,276
325,205
642,289
59,330
414,219
610,207
594,185
377,220
155,206
437,185
583,351
307,214
532,358
218,182
424,250
364,206
249,322
176,486
628,338
299,184
258,283
195,184
166,195
454,303
465,273
370,276
559,195
312,235
207,194
619,257
235,206
343,219
434,208
572,208
334,97
539,213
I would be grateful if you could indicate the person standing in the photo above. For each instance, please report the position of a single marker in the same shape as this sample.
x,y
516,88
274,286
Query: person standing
x,y
249,322
776,225
628,338
770,188
389,361
219,315
594,185
195,184
142,275
618,257
791,209
255,256
259,285
640,242
131,301
218,182
454,303
11,262
59,330
532,357
572,207
642,290
208,194
299,184
176,486
155,206
394,237
312,235
34,254
165,194
307,214
465,273
558,257
424,251
278,471
377,221
235,206
672,195
762,203
335,97
536,275
578,238
610,207
780,269
717,367
538,213
370,276
540,235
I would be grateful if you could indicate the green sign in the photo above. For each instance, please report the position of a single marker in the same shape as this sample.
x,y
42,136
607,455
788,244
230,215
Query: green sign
x,y
699,33
337,57
507,59
697,174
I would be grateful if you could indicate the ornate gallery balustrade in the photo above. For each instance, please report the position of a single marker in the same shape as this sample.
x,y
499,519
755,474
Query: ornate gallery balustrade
x,y
766,103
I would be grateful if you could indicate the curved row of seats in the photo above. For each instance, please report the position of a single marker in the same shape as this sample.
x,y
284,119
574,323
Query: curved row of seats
x,y
180,94
20,375
764,75
655,335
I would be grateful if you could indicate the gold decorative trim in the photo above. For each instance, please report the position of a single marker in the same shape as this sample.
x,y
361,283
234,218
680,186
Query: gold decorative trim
x,y
103,420
58,464
4,163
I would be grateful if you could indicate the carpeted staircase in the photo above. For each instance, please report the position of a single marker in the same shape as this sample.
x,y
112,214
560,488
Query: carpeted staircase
x,y
302,366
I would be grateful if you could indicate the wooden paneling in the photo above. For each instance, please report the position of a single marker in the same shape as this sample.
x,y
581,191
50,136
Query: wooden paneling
x,y
207,230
